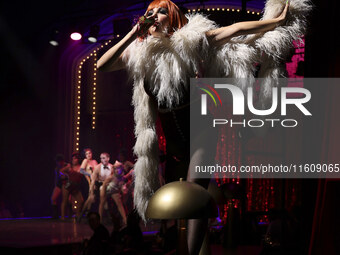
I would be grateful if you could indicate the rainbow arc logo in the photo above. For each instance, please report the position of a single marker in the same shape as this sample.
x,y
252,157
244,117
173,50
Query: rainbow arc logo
x,y
206,90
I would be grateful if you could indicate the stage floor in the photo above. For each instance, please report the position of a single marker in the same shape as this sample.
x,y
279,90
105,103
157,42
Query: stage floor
x,y
48,236
26,233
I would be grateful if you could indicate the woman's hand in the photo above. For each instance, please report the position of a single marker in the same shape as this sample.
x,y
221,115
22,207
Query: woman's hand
x,y
222,35
143,25
112,60
282,17
106,182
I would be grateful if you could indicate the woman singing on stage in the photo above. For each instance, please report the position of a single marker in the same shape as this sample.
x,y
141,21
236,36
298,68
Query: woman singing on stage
x,y
163,51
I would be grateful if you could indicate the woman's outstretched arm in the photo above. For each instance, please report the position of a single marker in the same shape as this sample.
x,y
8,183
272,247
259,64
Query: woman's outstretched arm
x,y
222,35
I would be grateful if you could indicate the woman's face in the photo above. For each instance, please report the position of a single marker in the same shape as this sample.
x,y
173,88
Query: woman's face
x,y
88,154
161,16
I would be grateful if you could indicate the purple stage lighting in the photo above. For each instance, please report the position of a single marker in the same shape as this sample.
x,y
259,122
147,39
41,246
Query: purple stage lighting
x,y
75,36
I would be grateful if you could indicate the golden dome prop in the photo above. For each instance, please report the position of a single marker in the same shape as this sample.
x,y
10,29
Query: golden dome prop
x,y
181,200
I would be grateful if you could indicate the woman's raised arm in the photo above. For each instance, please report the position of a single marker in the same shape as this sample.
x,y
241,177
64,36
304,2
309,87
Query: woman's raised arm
x,y
112,59
222,35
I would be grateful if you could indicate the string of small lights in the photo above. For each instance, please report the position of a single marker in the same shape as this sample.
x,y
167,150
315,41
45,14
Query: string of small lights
x,y
94,92
223,9
77,106
91,55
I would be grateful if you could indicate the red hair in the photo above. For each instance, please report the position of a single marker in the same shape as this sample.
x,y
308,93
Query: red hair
x,y
176,17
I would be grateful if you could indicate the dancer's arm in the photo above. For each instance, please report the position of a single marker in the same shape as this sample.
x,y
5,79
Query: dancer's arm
x,y
111,178
129,174
222,35
94,178
130,164
83,168
66,169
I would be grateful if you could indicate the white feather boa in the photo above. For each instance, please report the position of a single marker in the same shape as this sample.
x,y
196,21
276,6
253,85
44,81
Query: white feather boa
x,y
165,64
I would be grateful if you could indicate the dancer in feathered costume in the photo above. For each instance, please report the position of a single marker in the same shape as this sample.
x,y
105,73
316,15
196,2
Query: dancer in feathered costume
x,y
166,48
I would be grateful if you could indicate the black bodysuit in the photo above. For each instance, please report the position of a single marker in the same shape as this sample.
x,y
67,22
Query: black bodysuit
x,y
176,128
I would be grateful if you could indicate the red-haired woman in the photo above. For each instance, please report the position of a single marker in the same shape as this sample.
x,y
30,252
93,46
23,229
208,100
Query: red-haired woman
x,y
87,168
163,51
88,165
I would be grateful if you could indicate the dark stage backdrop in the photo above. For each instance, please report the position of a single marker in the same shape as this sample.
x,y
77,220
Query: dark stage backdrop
x,y
114,113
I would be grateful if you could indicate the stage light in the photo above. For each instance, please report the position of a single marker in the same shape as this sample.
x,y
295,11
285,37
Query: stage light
x,y
75,36
94,31
54,38
54,43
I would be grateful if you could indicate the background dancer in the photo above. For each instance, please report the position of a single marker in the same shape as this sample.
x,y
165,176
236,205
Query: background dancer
x,y
59,181
127,188
115,186
88,165
71,189
86,168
